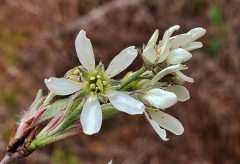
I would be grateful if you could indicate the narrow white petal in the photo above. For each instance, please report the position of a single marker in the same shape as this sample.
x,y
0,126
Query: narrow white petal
x,y
62,86
167,122
149,54
184,77
110,162
125,103
180,40
197,33
164,52
121,61
160,99
193,45
153,39
161,132
178,56
166,71
168,33
91,116
85,51
181,92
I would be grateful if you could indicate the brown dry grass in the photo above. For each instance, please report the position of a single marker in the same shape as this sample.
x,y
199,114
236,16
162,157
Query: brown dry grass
x,y
37,41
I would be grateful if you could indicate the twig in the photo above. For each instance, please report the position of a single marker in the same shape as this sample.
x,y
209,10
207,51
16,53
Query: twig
x,y
11,157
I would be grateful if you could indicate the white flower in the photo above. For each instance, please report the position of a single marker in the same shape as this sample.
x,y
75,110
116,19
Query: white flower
x,y
97,84
180,91
160,99
161,121
161,132
178,56
172,69
175,50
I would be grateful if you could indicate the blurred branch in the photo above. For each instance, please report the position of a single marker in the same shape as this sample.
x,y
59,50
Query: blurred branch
x,y
96,15
11,157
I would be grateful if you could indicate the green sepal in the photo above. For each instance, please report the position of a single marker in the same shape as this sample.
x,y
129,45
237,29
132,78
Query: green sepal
x,y
53,109
84,73
100,68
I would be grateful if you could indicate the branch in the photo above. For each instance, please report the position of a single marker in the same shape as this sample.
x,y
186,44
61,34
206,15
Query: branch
x,y
12,157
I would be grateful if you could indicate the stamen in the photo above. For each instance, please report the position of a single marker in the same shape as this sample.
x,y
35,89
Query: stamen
x,y
92,78
99,84
104,83
92,86
99,76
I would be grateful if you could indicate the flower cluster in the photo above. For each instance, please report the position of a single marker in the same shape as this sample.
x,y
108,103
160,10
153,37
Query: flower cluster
x,y
154,87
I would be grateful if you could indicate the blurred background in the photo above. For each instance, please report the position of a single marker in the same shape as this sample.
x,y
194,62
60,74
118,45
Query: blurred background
x,y
37,41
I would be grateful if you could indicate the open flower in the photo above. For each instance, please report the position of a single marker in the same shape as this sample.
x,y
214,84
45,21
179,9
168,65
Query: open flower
x,y
97,83
162,99
161,121
173,50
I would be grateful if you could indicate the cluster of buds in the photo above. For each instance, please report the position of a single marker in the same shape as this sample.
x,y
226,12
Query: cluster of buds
x,y
90,93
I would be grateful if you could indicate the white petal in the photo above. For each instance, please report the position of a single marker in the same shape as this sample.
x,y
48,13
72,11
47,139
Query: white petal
x,y
168,33
160,99
85,51
181,92
166,71
110,162
125,103
167,121
161,132
91,116
121,61
62,86
178,56
164,52
197,33
193,45
180,40
184,77
153,39
149,53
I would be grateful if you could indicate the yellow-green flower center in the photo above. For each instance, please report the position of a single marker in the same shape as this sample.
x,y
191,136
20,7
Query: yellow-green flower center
x,y
97,83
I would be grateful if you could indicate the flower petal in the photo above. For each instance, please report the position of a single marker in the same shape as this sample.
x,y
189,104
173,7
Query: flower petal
x,y
193,45
62,86
168,33
181,92
152,41
125,103
178,56
121,61
85,51
167,121
160,99
164,52
180,40
197,33
166,71
91,116
184,77
149,53
161,132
